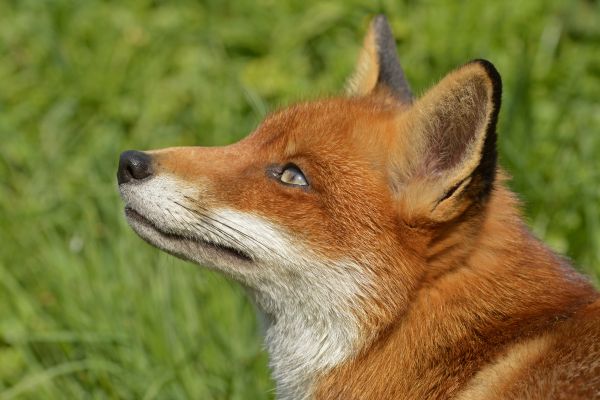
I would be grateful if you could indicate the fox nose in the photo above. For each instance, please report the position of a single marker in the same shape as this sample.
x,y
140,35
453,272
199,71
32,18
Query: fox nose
x,y
134,165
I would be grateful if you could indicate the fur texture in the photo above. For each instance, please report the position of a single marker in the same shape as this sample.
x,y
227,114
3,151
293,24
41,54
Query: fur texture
x,y
402,269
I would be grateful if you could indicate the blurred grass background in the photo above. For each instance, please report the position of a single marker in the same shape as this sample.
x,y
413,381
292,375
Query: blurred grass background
x,y
87,310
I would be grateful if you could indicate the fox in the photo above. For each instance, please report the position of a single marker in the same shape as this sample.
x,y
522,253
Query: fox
x,y
377,236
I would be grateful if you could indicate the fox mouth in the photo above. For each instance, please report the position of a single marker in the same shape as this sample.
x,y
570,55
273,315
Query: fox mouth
x,y
180,245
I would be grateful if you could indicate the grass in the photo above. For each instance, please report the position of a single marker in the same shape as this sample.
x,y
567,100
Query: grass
x,y
87,310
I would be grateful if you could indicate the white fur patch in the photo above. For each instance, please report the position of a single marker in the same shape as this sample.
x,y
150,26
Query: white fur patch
x,y
310,302
156,199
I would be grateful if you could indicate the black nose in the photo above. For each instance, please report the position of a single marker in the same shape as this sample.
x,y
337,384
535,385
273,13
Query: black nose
x,y
134,165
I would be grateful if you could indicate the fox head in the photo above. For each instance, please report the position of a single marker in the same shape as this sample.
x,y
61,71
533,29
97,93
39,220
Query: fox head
x,y
332,212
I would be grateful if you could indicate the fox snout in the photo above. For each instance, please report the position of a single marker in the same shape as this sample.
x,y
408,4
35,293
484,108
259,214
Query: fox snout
x,y
134,165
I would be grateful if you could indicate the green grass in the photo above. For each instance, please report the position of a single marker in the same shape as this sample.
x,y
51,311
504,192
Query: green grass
x,y
87,310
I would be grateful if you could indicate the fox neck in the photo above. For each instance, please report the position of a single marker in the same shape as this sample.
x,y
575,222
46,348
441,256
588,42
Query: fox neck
x,y
501,287
311,326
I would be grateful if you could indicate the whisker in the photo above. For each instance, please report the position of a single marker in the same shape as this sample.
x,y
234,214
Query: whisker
x,y
223,235
219,233
206,216
203,214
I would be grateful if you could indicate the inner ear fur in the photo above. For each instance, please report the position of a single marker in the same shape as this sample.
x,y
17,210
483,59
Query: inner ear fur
x,y
378,69
447,147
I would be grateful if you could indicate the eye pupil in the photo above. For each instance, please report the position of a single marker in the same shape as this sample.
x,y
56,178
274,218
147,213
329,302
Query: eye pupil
x,y
288,176
293,176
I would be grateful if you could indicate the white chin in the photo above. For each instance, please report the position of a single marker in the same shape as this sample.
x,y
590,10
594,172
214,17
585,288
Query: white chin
x,y
191,249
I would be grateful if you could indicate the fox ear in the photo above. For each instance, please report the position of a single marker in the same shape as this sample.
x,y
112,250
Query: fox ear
x,y
447,156
378,67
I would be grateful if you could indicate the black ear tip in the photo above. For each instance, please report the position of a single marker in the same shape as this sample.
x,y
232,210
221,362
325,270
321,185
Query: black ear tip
x,y
489,68
494,76
487,167
380,19
381,25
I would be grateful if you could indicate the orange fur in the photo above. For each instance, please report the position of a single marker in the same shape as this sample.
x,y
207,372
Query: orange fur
x,y
484,295
464,302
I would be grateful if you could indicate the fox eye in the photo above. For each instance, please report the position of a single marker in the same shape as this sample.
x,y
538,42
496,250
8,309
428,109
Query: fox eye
x,y
292,175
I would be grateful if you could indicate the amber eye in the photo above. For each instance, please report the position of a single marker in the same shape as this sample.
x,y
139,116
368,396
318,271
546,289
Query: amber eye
x,y
292,175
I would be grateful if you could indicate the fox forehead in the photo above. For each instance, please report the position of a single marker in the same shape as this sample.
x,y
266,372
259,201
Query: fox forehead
x,y
364,124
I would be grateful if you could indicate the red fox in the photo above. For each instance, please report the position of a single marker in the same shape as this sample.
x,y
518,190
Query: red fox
x,y
377,235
